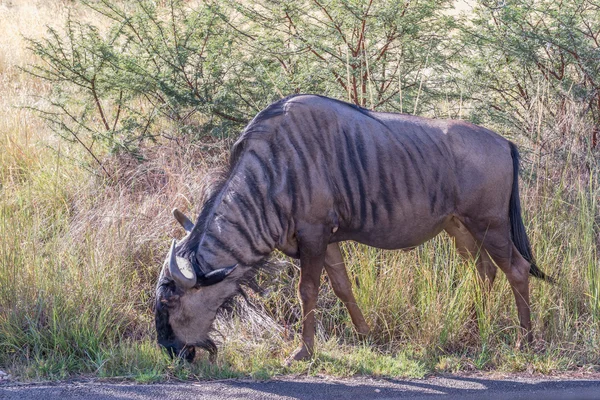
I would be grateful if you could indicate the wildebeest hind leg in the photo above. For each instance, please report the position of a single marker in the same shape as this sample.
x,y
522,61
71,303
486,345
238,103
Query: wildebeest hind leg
x,y
338,275
517,273
498,244
468,248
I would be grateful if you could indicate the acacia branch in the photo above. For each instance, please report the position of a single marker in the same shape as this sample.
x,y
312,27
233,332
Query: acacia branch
x,y
229,117
335,24
98,105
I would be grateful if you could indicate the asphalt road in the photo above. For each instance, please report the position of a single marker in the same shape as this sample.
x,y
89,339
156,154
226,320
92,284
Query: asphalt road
x,y
316,388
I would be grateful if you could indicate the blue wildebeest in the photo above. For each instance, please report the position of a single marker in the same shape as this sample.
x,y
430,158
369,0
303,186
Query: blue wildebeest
x,y
309,172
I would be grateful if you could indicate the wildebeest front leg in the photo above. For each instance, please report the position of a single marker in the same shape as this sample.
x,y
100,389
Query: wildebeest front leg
x,y
338,276
312,259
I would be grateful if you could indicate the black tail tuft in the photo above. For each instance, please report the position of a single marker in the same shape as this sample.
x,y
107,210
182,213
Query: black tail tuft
x,y
517,228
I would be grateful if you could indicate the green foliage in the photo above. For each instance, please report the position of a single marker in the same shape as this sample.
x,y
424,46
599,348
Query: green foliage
x,y
532,55
382,55
208,67
149,69
153,64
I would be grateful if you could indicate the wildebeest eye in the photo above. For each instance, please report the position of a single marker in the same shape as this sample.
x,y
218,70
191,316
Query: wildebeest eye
x,y
170,301
167,294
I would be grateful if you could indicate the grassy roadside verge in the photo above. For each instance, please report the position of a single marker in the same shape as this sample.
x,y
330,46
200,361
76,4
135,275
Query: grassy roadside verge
x,y
79,255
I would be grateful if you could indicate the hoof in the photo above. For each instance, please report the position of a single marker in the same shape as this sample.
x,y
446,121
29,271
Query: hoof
x,y
524,345
363,331
302,354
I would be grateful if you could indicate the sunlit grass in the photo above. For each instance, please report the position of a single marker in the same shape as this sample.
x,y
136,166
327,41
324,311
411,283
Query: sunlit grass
x,y
79,256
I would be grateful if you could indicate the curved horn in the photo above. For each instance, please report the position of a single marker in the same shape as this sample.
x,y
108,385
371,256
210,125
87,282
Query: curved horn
x,y
185,279
184,221
216,276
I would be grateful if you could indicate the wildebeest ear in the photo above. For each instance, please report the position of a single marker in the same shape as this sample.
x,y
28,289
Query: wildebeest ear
x,y
215,276
184,221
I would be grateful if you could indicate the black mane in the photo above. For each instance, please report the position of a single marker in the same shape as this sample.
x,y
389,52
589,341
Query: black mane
x,y
272,110
275,109
190,246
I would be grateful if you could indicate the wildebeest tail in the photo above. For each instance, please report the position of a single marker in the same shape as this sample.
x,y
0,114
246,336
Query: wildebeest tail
x,y
517,228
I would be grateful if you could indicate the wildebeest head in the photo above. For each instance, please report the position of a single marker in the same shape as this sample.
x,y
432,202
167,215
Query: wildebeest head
x,y
187,302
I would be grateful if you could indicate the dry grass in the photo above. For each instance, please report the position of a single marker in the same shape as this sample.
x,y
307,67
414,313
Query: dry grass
x,y
79,255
